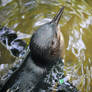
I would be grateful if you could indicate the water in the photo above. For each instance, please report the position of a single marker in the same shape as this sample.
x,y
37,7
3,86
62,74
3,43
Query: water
x,y
25,16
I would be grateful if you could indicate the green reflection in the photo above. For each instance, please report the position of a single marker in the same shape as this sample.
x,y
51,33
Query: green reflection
x,y
6,60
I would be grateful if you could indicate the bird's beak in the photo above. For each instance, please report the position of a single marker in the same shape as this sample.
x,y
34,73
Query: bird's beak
x,y
56,19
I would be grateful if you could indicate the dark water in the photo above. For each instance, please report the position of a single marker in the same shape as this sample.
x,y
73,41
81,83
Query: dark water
x,y
25,16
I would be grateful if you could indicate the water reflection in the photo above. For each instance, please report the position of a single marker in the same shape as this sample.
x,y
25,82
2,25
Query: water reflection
x,y
4,2
6,60
79,47
25,16
76,44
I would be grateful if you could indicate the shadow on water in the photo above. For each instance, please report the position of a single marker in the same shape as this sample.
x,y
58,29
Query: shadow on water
x,y
25,16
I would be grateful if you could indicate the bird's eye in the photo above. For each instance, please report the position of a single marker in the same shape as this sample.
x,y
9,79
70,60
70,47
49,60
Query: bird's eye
x,y
53,48
52,42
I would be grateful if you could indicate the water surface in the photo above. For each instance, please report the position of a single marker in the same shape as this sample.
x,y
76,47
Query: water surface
x,y
25,16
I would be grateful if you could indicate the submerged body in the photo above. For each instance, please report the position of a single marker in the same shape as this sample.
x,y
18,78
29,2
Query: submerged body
x,y
25,78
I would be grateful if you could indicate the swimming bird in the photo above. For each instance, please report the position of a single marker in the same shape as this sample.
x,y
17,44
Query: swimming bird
x,y
46,46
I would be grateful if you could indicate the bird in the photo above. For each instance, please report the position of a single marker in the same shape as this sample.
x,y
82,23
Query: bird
x,y
46,48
